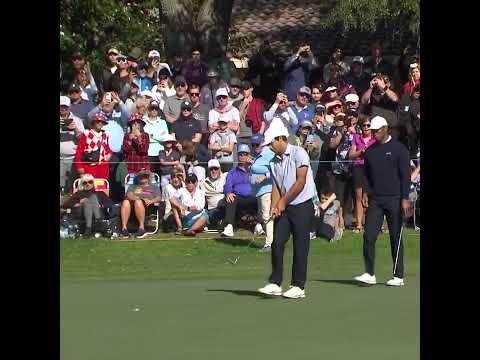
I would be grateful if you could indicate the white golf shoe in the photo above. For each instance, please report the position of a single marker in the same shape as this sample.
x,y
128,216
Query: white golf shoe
x,y
271,289
228,231
294,293
366,278
258,230
396,281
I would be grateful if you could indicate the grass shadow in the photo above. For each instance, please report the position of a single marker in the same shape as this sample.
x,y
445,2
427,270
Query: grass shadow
x,y
344,282
245,293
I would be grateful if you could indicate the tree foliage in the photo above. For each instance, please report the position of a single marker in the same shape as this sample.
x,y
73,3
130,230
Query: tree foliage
x,y
95,25
401,16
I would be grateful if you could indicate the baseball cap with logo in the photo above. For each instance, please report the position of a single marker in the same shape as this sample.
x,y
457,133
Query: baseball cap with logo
x,y
320,108
213,163
351,98
186,104
65,101
257,139
221,91
153,53
378,122
243,148
305,90
358,59
74,88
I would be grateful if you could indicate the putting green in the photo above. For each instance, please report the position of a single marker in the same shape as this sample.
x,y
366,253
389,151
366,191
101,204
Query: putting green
x,y
183,298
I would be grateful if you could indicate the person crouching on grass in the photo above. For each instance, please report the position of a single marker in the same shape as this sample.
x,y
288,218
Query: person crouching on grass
x,y
292,210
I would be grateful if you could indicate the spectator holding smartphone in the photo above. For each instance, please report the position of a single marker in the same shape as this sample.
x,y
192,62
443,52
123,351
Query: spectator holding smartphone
x,y
71,128
93,150
297,69
135,145
280,111
311,142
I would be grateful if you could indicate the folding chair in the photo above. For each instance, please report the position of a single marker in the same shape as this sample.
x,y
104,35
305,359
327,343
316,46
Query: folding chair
x,y
131,179
100,185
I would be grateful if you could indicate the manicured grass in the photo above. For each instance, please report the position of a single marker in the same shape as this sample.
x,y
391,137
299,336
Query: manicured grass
x,y
191,301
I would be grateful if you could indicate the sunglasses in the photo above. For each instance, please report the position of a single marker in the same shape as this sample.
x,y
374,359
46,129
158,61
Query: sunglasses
x,y
243,154
337,106
194,94
121,60
366,125
222,97
88,182
154,108
163,77
181,85
187,109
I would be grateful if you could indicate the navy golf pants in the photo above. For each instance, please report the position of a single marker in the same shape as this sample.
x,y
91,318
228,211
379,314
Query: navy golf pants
x,y
378,207
296,220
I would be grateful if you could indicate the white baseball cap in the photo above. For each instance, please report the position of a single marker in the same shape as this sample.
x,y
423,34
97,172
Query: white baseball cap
x,y
276,129
358,59
331,88
221,91
351,98
378,122
169,137
153,53
213,163
65,100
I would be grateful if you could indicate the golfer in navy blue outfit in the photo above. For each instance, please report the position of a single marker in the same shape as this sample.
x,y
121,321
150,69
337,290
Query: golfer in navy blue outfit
x,y
388,184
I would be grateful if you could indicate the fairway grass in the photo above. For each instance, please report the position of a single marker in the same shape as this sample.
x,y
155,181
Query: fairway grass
x,y
183,298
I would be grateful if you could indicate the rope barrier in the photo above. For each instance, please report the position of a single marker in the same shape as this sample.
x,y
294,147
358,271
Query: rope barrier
x,y
206,162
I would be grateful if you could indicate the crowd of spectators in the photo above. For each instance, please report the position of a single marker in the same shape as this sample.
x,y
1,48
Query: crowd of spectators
x,y
202,130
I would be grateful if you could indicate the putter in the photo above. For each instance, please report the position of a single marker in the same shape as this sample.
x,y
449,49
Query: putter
x,y
234,262
398,248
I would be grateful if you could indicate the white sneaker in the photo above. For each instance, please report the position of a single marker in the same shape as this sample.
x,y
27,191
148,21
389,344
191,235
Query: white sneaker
x,y
294,293
271,289
396,281
313,235
228,231
367,279
258,230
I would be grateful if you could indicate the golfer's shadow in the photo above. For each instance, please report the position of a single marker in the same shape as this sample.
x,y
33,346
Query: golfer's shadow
x,y
239,242
343,282
245,293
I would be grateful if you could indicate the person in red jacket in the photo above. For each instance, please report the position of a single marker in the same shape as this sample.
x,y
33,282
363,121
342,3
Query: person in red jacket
x,y
135,145
93,150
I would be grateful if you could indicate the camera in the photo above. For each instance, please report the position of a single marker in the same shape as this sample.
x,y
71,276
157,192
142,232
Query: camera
x,y
64,124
